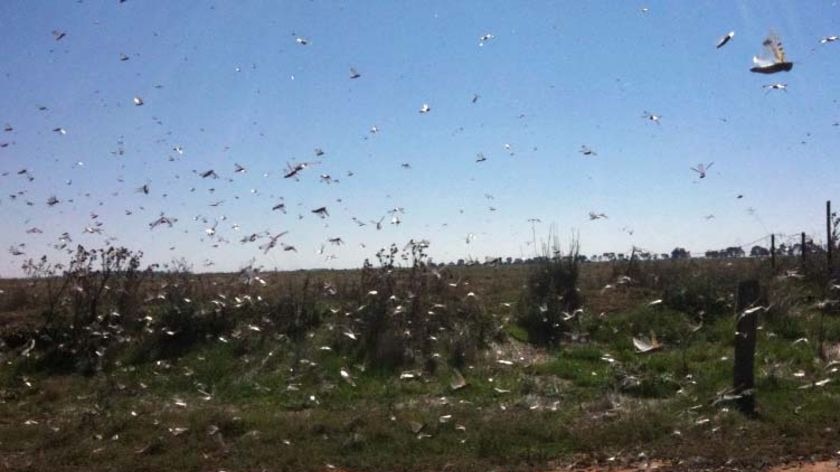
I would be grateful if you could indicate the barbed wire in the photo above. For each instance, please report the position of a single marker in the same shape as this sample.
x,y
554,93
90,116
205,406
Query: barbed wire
x,y
782,239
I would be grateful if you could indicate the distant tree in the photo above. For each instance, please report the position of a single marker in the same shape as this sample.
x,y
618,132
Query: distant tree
x,y
664,256
508,260
734,251
814,248
758,251
610,256
712,254
680,253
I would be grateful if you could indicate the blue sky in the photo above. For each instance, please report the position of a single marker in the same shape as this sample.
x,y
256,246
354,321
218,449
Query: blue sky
x,y
227,83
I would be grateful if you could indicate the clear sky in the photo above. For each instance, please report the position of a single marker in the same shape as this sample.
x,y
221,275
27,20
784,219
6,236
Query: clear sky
x,y
227,82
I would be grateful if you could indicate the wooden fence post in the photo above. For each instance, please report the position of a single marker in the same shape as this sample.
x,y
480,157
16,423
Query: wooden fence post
x,y
773,251
747,323
829,235
802,249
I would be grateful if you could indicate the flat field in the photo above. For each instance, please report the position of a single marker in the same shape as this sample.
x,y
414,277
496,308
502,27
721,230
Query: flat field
x,y
416,368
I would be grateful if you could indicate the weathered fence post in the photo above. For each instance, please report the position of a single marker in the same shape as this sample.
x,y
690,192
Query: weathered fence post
x,y
802,249
747,322
773,251
829,235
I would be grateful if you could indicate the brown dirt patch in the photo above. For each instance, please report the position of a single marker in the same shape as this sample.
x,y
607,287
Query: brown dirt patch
x,y
821,466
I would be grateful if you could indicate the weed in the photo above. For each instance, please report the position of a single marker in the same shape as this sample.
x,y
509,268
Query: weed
x,y
551,295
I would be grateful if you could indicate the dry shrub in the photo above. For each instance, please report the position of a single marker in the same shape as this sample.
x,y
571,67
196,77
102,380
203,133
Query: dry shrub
x,y
551,294
412,316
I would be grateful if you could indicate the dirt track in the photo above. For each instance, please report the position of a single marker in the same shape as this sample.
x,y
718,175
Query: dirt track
x,y
801,466
824,466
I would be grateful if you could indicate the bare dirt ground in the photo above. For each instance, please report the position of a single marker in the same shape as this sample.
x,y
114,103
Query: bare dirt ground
x,y
822,466
798,466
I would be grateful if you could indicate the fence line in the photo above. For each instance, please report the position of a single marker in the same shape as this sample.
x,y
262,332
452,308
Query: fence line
x,y
782,239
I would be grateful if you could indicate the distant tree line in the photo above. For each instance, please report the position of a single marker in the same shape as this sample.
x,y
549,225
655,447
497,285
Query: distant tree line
x,y
677,253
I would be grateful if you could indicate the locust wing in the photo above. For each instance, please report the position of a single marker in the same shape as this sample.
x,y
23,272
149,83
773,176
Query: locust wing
x,y
775,61
762,62
774,46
